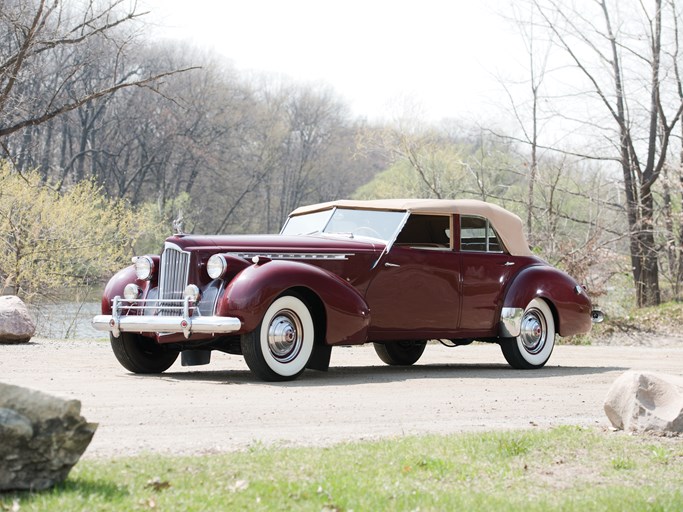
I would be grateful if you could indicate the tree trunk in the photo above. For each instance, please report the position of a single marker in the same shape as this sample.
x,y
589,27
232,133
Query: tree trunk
x,y
646,265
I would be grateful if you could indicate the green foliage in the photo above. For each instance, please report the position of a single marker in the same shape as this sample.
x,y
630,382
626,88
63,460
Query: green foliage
x,y
623,463
532,470
443,168
512,446
399,180
51,241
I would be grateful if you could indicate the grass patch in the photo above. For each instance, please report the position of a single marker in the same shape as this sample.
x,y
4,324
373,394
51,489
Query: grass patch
x,y
663,320
566,468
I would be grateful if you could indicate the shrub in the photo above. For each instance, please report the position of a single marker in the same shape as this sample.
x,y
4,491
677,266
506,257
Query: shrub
x,y
51,241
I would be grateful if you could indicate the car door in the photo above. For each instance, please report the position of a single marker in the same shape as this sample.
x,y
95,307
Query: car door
x,y
486,270
415,293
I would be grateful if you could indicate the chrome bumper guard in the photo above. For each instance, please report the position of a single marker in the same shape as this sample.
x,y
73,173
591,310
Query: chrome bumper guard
x,y
179,319
511,322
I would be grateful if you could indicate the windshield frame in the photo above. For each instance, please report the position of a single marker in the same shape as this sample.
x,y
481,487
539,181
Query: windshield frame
x,y
388,240
289,220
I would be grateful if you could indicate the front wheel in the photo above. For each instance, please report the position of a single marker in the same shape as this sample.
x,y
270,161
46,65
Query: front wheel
x,y
139,354
532,348
400,353
280,347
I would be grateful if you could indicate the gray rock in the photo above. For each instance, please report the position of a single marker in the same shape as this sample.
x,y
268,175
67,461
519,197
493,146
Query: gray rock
x,y
41,438
646,401
16,323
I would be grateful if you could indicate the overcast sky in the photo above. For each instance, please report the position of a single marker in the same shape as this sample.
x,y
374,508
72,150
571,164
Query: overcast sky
x,y
442,55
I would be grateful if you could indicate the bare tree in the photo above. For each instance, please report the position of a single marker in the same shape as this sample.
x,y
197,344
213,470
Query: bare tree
x,y
672,182
45,39
617,50
527,106
243,154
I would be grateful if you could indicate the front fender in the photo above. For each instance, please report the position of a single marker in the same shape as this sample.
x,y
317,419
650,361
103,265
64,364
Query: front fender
x,y
252,290
115,287
569,301
123,277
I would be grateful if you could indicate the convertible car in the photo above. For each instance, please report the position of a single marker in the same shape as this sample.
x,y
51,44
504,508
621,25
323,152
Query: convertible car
x,y
396,273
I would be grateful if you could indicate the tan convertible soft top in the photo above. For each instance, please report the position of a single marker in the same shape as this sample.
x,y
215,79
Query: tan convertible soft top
x,y
508,225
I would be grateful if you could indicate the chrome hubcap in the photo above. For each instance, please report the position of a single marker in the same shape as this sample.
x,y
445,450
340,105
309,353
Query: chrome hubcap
x,y
533,332
285,336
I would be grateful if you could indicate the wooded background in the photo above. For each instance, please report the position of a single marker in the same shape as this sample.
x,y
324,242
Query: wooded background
x,y
589,154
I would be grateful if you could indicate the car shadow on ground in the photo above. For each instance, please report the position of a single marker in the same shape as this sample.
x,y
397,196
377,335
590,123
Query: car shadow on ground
x,y
353,375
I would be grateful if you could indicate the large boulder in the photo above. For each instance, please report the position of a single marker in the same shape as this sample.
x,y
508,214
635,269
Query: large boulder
x,y
645,401
16,323
41,438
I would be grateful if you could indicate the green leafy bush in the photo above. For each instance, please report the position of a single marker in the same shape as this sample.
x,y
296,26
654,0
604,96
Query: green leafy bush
x,y
51,241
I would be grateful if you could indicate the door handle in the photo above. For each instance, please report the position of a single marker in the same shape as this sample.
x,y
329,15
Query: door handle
x,y
508,263
387,264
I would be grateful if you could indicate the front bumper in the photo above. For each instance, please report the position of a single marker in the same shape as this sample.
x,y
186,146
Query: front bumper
x,y
184,322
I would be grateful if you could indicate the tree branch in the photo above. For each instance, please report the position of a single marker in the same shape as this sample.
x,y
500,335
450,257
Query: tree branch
x,y
7,130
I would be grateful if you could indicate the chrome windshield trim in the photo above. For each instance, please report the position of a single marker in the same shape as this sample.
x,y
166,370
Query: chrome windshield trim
x,y
391,241
329,219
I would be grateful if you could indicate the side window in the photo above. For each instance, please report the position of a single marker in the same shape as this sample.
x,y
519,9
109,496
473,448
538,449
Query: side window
x,y
477,235
426,231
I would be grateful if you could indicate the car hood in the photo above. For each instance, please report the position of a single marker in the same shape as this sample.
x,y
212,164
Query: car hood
x,y
276,244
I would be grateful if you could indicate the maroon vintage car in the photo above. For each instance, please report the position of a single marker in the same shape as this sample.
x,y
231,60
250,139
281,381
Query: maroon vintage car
x,y
393,272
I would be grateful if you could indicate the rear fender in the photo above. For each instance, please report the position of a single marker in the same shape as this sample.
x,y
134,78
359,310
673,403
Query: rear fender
x,y
569,302
252,290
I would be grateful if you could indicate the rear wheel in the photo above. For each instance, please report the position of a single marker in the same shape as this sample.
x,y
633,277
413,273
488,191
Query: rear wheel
x,y
400,353
139,354
280,347
536,340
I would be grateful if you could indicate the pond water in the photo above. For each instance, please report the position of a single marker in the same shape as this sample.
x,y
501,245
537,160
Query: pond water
x,y
67,320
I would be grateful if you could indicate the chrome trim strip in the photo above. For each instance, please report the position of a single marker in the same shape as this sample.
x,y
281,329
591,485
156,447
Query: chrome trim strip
x,y
511,322
218,296
295,255
329,219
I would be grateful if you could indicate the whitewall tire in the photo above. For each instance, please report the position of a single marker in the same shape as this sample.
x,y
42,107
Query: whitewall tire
x,y
280,347
536,340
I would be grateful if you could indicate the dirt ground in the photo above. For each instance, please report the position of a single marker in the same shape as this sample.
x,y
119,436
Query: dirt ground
x,y
222,407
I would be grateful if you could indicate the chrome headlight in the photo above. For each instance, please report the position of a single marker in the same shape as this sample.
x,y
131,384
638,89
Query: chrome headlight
x,y
132,291
216,266
144,267
192,291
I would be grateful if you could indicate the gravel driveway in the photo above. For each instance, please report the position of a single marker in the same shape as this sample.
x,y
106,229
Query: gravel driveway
x,y
222,407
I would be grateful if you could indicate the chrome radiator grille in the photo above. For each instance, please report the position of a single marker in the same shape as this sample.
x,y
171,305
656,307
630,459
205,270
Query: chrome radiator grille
x,y
175,266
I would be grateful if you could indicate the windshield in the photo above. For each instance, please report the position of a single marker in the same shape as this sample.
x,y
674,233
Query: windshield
x,y
352,223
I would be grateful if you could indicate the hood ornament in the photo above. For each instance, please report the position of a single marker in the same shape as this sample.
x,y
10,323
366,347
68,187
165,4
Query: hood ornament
x,y
178,225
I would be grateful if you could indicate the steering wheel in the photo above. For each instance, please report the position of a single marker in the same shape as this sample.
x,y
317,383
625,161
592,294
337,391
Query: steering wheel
x,y
366,231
